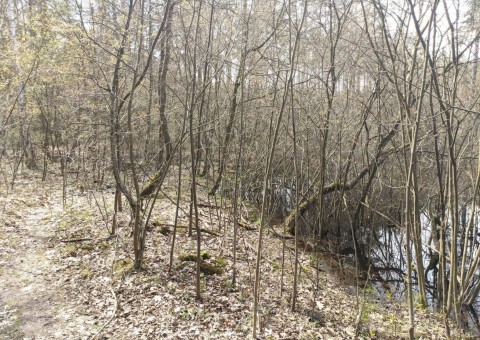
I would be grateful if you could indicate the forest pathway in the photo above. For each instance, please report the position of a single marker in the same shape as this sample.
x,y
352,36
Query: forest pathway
x,y
32,303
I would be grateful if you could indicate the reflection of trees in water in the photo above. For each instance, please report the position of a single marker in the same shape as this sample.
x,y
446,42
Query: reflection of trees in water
x,y
380,249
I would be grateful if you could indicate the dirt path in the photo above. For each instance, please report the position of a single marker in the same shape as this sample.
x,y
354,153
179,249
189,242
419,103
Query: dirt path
x,y
32,302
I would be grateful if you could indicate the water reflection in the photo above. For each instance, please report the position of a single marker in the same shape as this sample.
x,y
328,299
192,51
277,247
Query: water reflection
x,y
386,250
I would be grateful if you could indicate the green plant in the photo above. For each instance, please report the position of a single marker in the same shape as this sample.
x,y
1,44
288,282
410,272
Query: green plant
x,y
184,314
86,274
227,284
122,267
367,334
418,301
88,247
393,321
69,250
241,297
369,307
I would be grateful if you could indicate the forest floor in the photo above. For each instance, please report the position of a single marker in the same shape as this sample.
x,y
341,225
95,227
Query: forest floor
x,y
53,286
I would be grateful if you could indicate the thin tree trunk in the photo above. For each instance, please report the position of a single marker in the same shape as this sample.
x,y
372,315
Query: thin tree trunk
x,y
165,44
268,168
194,204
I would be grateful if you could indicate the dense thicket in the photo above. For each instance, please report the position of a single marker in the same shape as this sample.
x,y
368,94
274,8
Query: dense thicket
x,y
342,119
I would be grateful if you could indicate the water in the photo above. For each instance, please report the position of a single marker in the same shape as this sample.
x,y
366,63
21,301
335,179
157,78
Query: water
x,y
387,249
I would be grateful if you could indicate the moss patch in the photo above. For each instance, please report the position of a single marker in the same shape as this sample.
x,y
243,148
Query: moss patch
x,y
220,261
213,267
210,269
87,247
193,257
122,267
70,250
86,274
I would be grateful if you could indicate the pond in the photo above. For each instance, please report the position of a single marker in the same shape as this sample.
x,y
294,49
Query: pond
x,y
386,249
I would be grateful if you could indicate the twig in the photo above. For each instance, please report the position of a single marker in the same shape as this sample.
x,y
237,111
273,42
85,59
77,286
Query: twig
x,y
113,294
206,231
274,233
358,320
246,226
108,238
112,317
76,240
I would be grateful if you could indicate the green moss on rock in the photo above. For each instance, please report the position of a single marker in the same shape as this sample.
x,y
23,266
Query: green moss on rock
x,y
193,257
210,269
214,267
